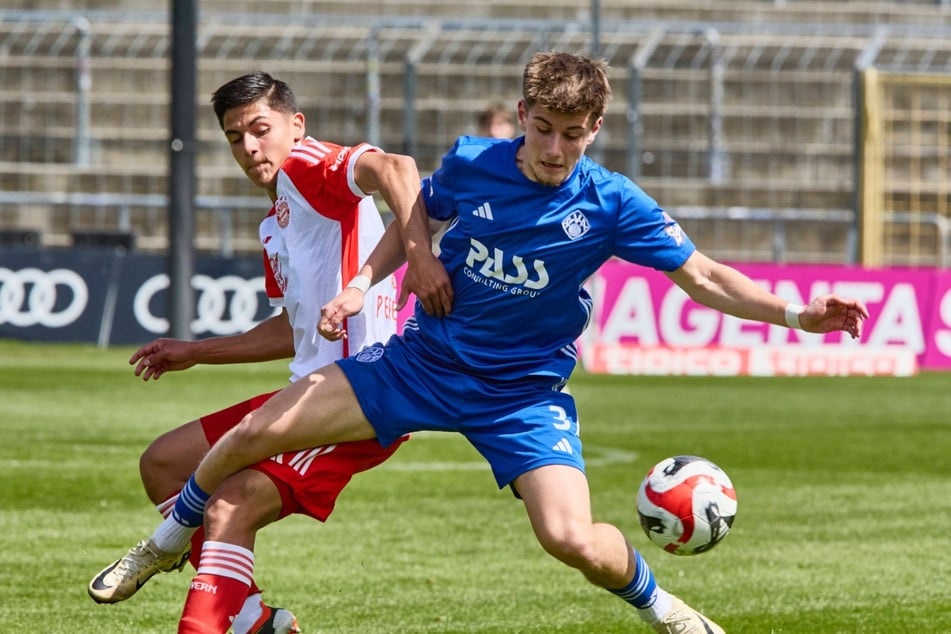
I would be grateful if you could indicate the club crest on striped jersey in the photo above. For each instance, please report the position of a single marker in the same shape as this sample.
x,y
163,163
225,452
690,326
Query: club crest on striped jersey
x,y
575,225
283,212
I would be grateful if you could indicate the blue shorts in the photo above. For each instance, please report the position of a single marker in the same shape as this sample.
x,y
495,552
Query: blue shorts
x,y
517,426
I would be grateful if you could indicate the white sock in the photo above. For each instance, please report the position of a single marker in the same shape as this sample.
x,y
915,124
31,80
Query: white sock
x,y
249,614
172,537
657,609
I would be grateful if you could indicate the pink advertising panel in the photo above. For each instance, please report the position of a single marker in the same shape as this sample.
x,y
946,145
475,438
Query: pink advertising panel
x,y
642,307
937,353
407,311
644,324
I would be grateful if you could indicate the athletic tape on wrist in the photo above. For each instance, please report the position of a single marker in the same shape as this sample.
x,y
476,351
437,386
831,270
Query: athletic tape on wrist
x,y
792,315
361,282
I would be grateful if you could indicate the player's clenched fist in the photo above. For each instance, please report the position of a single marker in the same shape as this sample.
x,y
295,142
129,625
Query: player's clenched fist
x,y
348,303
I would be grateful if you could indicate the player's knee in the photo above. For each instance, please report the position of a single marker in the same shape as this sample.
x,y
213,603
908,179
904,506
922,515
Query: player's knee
x,y
168,461
221,513
158,470
149,463
249,442
241,505
245,433
573,546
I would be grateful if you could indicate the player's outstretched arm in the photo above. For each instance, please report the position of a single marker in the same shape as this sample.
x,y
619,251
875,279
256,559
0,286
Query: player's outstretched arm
x,y
162,355
348,303
271,339
427,277
396,178
386,257
724,288
830,313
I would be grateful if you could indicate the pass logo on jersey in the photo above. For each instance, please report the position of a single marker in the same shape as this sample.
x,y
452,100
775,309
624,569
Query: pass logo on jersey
x,y
494,265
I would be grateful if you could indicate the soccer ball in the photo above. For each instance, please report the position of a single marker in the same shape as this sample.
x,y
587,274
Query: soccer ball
x,y
686,504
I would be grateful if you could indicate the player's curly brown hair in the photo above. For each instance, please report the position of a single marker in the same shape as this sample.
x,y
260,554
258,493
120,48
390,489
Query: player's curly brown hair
x,y
562,82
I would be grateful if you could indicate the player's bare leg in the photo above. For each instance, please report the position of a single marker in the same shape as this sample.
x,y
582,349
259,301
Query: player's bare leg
x,y
240,507
558,503
319,409
559,508
165,467
171,458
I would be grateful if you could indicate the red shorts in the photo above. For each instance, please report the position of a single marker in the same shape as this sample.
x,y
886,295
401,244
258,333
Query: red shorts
x,y
309,480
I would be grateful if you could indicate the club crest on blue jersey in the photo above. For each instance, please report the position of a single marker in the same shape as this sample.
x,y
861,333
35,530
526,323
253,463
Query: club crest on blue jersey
x,y
370,354
575,225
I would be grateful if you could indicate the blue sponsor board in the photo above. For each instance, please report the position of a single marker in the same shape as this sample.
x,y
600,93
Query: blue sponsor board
x,y
112,296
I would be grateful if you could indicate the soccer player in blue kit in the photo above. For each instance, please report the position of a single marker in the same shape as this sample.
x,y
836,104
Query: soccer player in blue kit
x,y
530,220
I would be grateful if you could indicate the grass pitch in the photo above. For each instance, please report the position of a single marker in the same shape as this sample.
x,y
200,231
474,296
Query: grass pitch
x,y
843,488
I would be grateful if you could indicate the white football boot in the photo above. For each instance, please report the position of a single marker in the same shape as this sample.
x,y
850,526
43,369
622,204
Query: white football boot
x,y
682,619
122,578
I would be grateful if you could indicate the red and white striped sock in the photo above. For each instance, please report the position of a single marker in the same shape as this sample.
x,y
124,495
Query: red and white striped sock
x,y
218,591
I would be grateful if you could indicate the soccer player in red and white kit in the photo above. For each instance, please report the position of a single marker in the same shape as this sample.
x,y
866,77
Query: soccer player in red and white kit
x,y
321,227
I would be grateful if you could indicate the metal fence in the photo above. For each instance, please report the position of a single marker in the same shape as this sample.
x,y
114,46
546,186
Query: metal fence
x,y
747,129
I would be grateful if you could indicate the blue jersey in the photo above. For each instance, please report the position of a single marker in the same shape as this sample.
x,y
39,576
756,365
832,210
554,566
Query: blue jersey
x,y
519,252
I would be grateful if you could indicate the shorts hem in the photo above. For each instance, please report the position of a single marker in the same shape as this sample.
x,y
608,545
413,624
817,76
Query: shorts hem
x,y
505,480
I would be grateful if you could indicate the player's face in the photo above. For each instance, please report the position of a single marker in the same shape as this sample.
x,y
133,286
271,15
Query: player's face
x,y
261,139
501,128
554,143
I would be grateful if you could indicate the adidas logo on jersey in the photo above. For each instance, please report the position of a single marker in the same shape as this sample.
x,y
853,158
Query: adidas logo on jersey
x,y
483,211
563,446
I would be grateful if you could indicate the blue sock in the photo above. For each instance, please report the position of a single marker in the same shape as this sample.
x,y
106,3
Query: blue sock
x,y
642,591
189,508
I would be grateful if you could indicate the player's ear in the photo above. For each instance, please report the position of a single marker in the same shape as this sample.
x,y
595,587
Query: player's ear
x,y
594,130
297,125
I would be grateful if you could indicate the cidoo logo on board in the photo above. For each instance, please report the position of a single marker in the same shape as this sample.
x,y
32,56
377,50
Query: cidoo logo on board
x,y
33,297
225,306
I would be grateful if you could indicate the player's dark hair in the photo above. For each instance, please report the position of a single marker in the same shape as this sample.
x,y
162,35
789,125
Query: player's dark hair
x,y
250,88
562,82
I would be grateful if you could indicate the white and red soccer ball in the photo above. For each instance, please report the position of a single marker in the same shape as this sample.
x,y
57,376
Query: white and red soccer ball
x,y
686,504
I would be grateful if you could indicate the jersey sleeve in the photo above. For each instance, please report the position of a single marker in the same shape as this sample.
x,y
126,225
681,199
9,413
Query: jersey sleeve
x,y
437,189
647,235
324,172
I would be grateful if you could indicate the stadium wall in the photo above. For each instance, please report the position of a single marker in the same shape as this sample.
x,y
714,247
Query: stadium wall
x,y
711,114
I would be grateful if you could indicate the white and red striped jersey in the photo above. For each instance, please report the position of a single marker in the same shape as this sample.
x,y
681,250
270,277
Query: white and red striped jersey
x,y
318,233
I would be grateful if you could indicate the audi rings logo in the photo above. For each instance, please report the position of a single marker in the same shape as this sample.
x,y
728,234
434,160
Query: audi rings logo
x,y
225,306
32,297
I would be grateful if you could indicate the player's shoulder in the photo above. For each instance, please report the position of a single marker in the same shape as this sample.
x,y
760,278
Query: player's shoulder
x,y
312,151
472,148
599,175
610,183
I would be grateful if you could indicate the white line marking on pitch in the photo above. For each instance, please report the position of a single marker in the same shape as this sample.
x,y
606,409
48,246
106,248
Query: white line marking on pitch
x,y
595,456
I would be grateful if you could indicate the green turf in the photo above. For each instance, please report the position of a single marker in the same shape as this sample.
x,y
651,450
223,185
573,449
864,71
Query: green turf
x,y
843,522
